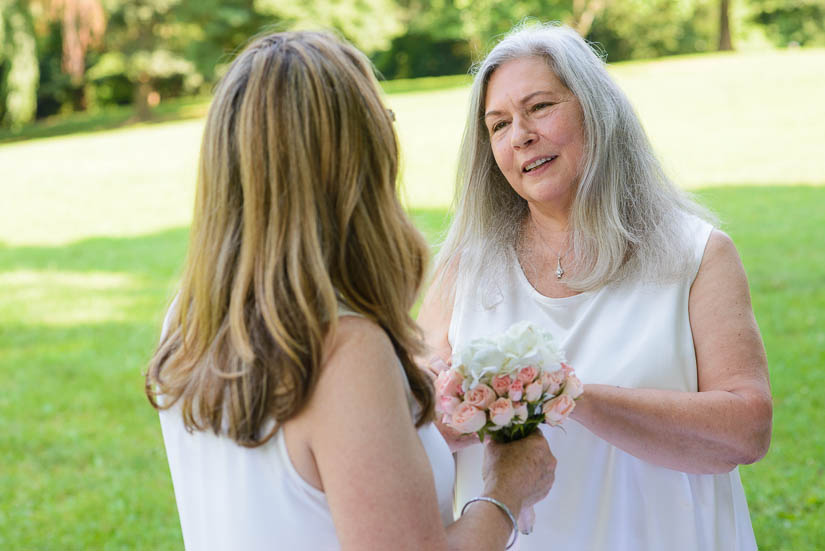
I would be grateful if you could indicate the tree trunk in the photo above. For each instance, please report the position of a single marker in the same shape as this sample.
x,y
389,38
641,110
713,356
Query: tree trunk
x,y
143,110
585,12
725,43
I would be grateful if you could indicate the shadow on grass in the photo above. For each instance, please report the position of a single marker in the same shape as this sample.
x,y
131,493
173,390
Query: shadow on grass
x,y
158,254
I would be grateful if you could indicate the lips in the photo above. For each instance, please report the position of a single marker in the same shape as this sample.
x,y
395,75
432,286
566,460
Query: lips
x,y
537,162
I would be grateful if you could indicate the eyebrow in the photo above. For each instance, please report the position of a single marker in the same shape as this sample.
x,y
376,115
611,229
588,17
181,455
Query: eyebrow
x,y
524,100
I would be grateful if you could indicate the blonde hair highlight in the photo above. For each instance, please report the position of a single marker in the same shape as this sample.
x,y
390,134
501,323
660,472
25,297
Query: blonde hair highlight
x,y
295,212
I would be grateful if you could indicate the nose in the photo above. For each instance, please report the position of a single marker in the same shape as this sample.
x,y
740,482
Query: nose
x,y
523,134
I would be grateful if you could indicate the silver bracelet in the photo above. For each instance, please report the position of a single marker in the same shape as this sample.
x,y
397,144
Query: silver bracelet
x,y
504,508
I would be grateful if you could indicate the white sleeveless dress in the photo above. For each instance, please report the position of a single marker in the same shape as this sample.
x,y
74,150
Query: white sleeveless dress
x,y
230,497
631,335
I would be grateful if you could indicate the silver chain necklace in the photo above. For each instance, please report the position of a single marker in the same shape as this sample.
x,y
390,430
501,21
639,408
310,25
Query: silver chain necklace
x,y
559,255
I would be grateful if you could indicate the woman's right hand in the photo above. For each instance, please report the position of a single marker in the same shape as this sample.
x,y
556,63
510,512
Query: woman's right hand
x,y
520,473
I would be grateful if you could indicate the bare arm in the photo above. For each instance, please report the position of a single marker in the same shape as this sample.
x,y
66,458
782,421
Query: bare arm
x,y
726,423
434,319
372,466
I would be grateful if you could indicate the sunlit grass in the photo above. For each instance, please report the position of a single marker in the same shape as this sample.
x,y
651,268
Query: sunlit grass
x,y
715,120
65,298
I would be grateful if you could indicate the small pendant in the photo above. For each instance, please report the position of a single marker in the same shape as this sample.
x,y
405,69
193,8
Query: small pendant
x,y
559,270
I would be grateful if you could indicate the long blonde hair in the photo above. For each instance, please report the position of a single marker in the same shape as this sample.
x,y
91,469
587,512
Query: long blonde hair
x,y
627,216
295,212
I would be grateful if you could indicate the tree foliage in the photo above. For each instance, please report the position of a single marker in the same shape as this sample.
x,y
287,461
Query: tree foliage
x,y
62,55
640,29
19,72
369,24
800,22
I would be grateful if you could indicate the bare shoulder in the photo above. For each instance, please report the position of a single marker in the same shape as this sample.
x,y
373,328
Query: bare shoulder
x,y
721,268
360,350
728,344
361,384
720,247
356,336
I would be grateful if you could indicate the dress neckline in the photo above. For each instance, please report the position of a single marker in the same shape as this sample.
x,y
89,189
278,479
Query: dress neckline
x,y
544,299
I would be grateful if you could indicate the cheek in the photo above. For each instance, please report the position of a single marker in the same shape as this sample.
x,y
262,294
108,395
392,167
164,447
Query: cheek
x,y
566,129
503,157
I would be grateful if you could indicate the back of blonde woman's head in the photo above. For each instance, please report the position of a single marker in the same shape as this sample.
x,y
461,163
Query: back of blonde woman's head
x,y
295,212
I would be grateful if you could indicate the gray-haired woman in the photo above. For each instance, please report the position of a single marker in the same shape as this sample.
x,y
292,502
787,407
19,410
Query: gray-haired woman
x,y
565,218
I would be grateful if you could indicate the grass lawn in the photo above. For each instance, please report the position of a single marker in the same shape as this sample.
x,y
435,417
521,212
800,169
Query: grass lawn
x,y
93,230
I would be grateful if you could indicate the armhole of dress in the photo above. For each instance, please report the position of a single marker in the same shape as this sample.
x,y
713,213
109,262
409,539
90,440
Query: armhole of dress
x,y
702,235
292,472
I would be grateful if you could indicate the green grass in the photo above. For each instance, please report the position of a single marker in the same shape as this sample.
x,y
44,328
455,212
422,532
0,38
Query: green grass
x,y
93,231
779,233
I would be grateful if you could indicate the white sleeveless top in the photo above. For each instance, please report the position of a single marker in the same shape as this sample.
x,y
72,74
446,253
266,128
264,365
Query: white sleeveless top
x,y
631,335
231,497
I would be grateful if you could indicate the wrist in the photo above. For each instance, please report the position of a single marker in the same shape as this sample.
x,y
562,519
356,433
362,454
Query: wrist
x,y
582,410
508,518
512,502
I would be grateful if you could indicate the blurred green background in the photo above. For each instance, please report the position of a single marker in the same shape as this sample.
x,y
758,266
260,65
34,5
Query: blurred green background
x,y
101,107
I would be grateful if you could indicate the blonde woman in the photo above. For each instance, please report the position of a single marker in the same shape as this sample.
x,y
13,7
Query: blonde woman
x,y
292,413
565,218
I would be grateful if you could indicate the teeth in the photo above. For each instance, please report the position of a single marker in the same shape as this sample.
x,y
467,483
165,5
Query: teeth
x,y
538,163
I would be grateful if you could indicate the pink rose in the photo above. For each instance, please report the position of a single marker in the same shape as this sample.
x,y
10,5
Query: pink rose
x,y
566,368
501,412
516,390
528,374
468,419
447,403
573,387
533,391
551,381
558,409
501,384
520,410
481,396
448,383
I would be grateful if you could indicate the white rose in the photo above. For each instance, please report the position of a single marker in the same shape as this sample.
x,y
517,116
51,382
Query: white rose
x,y
521,345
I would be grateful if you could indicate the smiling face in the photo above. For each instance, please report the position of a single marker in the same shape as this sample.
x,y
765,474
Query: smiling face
x,y
536,133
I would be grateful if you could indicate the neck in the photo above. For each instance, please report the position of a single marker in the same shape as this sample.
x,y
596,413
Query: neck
x,y
547,243
548,231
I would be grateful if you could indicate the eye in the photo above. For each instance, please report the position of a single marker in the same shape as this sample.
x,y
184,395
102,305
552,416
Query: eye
x,y
541,105
497,126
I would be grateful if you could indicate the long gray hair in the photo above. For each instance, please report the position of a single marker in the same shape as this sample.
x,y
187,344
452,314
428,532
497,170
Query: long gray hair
x,y
627,215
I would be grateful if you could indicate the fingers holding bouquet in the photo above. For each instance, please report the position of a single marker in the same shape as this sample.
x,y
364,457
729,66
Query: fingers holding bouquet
x,y
437,365
520,473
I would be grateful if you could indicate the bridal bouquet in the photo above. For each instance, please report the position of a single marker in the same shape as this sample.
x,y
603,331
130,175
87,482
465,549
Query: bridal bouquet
x,y
504,386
